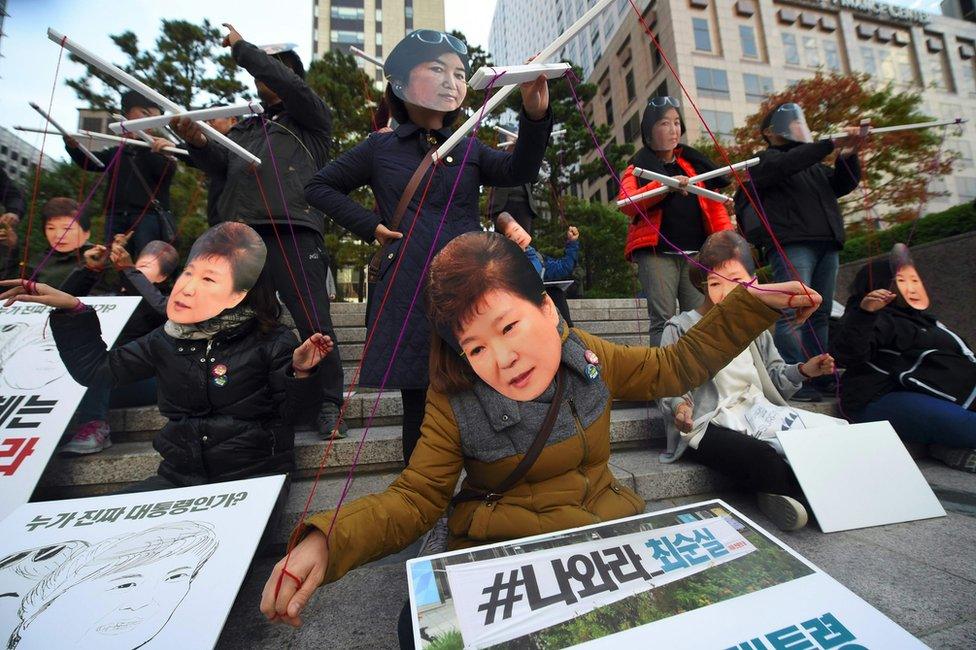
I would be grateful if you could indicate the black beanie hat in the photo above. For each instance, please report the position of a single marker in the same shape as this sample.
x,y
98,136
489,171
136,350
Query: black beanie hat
x,y
133,99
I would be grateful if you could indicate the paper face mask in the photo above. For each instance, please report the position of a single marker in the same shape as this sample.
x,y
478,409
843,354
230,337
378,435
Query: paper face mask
x,y
907,280
429,69
64,233
223,265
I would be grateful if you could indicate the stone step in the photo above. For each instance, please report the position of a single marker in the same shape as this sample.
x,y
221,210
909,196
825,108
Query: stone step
x,y
574,304
582,317
131,461
350,335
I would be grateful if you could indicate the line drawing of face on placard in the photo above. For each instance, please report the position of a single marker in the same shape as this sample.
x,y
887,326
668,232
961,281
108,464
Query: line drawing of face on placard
x,y
429,68
117,594
223,265
21,571
28,359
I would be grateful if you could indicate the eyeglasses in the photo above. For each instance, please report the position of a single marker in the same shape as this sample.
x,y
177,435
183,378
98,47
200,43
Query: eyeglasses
x,y
434,37
662,101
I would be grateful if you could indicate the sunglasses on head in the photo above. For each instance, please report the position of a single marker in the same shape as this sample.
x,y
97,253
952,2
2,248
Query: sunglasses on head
x,y
434,37
662,101
789,107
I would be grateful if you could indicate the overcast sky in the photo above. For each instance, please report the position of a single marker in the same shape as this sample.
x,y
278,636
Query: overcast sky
x,y
29,58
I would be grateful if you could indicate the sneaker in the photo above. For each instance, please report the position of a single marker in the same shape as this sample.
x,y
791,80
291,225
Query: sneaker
x,y
956,458
807,393
328,417
786,512
91,438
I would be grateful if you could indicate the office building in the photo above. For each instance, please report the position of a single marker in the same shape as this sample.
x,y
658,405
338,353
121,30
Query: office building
x,y
731,54
18,158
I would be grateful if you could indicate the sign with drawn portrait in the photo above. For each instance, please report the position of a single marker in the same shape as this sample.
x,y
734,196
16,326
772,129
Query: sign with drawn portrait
x,y
146,570
656,580
37,395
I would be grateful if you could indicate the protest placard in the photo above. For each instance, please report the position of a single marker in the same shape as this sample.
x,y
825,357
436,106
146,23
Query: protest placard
x,y
37,395
699,576
145,570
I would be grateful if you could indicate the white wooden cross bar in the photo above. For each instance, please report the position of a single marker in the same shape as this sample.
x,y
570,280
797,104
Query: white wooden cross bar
x,y
88,154
200,115
721,171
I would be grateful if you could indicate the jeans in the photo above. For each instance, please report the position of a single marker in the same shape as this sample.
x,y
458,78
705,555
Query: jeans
x,y
667,286
97,400
816,264
311,262
923,419
148,229
94,405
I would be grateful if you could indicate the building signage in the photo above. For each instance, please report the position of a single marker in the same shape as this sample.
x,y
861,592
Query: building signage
x,y
871,9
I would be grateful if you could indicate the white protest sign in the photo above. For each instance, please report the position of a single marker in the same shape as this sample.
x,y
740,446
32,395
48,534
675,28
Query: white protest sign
x,y
37,395
145,570
564,582
858,475
761,595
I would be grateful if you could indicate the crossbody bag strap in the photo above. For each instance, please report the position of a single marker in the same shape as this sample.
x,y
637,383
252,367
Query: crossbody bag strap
x,y
410,190
528,460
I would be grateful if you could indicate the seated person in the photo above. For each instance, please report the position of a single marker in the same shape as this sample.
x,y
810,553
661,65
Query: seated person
x,y
66,235
148,278
730,422
232,379
903,365
500,362
550,269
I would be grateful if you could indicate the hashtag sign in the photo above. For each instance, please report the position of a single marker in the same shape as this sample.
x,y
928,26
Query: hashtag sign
x,y
495,598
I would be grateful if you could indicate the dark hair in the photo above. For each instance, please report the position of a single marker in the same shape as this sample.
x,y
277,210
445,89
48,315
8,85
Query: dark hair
x,y
133,99
292,61
502,221
62,206
240,245
412,50
165,255
465,270
398,109
264,301
719,248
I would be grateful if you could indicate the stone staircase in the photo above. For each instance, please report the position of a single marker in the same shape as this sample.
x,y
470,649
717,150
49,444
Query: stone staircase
x,y
637,433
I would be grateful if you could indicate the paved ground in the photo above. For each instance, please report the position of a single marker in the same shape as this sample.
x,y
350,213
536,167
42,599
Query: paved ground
x,y
920,574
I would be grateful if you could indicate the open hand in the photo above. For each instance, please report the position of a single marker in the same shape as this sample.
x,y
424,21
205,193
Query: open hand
x,y
310,353
877,300
822,364
307,562
29,291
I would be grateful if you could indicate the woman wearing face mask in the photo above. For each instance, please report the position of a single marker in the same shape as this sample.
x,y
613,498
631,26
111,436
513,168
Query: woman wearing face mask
x,y
231,379
903,365
508,377
682,218
427,82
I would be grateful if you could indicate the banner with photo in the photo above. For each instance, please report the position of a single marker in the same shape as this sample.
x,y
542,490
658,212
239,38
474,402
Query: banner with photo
x,y
145,570
663,578
37,395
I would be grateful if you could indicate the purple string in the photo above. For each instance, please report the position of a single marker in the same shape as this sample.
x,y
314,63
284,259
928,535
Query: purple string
x,y
403,328
291,226
81,209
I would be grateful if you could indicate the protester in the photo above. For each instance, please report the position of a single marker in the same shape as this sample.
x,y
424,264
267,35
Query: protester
x,y
67,233
137,198
730,422
905,366
426,74
798,194
500,360
550,269
149,279
215,181
292,139
232,379
517,201
681,218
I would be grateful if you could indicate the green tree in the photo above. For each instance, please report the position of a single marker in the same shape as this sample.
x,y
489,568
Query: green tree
x,y
896,166
188,65
349,93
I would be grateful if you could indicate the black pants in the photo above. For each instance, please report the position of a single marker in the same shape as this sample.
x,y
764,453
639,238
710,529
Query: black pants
x,y
148,229
414,401
559,299
405,628
749,461
314,260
